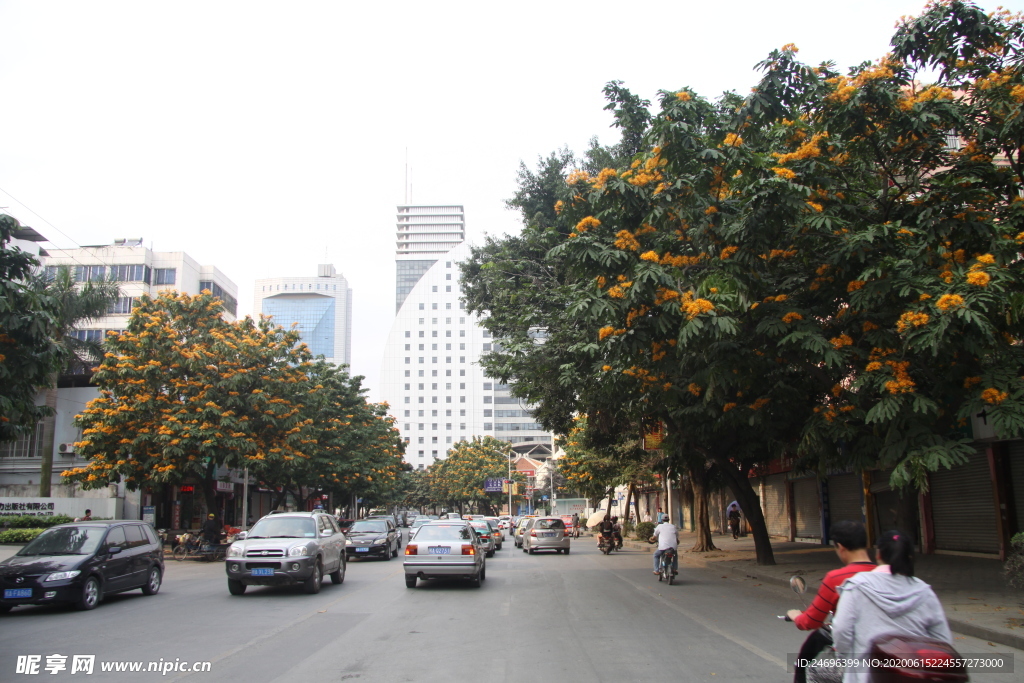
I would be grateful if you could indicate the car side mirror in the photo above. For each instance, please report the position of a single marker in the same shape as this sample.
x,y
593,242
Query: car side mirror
x,y
240,536
113,550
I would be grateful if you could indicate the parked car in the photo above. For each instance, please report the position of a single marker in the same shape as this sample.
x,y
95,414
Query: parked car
x,y
486,534
286,549
81,563
373,537
545,533
445,549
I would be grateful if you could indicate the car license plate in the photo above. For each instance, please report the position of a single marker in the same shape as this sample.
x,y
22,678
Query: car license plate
x,y
263,571
18,593
362,550
440,550
547,535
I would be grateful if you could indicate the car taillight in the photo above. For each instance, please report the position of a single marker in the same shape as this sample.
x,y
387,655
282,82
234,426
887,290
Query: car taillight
x,y
468,550
534,534
411,549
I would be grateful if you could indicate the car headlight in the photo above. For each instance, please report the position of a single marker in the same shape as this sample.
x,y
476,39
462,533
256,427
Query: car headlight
x,y
62,576
380,541
348,542
298,551
235,551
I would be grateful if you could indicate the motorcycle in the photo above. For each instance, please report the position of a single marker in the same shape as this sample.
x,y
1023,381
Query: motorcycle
x,y
606,544
665,563
892,656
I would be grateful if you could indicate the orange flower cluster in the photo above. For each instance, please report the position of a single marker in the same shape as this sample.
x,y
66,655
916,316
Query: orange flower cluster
x,y
728,251
732,140
760,403
978,278
695,389
625,240
912,319
587,223
901,384
949,301
784,172
694,307
559,206
603,177
635,313
777,299
650,256
664,295
993,396
791,316
841,341
807,150
971,381
682,261
782,253
727,407
868,326
577,176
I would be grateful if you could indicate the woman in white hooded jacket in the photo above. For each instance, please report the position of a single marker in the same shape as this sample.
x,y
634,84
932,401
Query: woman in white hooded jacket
x,y
888,600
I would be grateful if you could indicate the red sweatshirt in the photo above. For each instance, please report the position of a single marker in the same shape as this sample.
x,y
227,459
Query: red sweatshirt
x,y
825,601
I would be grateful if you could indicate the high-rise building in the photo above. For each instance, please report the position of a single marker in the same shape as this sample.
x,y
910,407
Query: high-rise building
x,y
425,234
431,375
321,306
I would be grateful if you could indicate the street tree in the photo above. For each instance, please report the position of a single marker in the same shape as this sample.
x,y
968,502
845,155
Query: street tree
x,y
459,478
29,348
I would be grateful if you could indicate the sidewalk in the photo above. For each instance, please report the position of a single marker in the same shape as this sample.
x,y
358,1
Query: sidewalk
x,y
973,591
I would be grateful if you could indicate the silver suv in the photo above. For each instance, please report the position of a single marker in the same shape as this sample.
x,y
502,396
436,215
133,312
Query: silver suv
x,y
287,549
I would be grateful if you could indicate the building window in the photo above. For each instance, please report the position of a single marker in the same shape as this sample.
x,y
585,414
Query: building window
x,y
406,373
433,386
419,440
433,453
421,373
488,426
448,386
420,386
165,276
408,399
447,347
422,333
487,399
448,305
462,321
407,386
433,321
447,439
122,306
447,399
421,359
407,413
448,413
447,264
419,413
421,452
434,288
422,306
433,333
447,333
407,440
433,373
447,359
462,373
448,288
408,347
488,386
462,413
408,333
462,359
447,373
462,304
421,347
462,346
408,359
462,425
421,320
420,400
462,399
433,413
448,426
448,321
433,439
433,347
462,333
487,334
487,347
420,426
447,276
408,426
433,399
487,412
433,307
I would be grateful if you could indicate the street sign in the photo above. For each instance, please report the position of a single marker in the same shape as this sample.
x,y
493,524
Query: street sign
x,y
493,485
528,473
543,497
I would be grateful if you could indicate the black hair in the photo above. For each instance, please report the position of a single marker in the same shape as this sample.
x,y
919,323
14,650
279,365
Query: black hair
x,y
852,535
896,550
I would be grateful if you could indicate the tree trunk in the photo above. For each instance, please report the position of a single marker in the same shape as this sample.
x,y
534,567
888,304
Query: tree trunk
x,y
629,501
209,492
49,438
611,497
907,514
750,504
701,523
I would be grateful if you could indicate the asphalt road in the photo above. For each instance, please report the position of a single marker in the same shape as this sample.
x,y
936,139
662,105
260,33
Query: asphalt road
x,y
579,617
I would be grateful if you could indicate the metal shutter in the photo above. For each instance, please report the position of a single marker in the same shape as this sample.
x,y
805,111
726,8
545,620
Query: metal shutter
x,y
1016,456
963,508
775,512
845,498
807,507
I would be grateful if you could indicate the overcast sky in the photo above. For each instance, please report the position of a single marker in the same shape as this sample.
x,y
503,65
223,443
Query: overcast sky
x,y
267,137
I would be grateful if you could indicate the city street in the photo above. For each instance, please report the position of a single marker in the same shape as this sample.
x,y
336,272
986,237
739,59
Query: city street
x,y
578,617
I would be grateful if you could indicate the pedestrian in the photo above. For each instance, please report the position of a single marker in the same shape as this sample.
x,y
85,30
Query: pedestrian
x,y
733,513
647,516
851,541
888,600
87,517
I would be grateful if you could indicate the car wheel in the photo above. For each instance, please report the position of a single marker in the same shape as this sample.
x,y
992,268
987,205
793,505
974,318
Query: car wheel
x,y
312,584
483,573
153,582
530,551
338,575
567,551
90,596
489,553
236,587
475,581
4,609
410,581
388,555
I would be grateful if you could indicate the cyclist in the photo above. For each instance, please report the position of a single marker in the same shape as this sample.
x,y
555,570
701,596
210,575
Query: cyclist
x,y
667,537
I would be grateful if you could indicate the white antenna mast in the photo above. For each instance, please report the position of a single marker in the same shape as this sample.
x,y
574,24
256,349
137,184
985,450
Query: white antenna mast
x,y
407,176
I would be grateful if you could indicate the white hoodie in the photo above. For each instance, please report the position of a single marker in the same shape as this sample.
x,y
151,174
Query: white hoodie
x,y
874,604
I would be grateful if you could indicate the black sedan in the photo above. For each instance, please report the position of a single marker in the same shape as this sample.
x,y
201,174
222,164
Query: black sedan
x,y
79,563
372,538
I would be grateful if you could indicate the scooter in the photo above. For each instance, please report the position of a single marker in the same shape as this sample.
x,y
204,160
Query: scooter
x,y
666,561
893,656
606,544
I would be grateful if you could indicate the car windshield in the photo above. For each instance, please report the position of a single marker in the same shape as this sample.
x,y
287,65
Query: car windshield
x,y
369,526
65,540
443,533
549,524
482,526
419,523
284,527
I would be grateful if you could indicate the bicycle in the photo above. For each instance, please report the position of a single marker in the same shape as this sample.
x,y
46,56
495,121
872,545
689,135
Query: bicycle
x,y
194,546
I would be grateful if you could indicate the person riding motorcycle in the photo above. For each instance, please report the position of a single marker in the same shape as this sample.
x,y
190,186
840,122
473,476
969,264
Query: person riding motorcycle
x,y
667,537
617,532
606,529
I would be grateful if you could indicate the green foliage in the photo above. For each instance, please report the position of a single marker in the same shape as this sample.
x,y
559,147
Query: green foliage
x,y
1014,567
29,352
460,477
19,535
31,521
644,530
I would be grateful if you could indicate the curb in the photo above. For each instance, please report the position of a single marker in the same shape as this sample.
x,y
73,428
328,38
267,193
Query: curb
x,y
962,627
